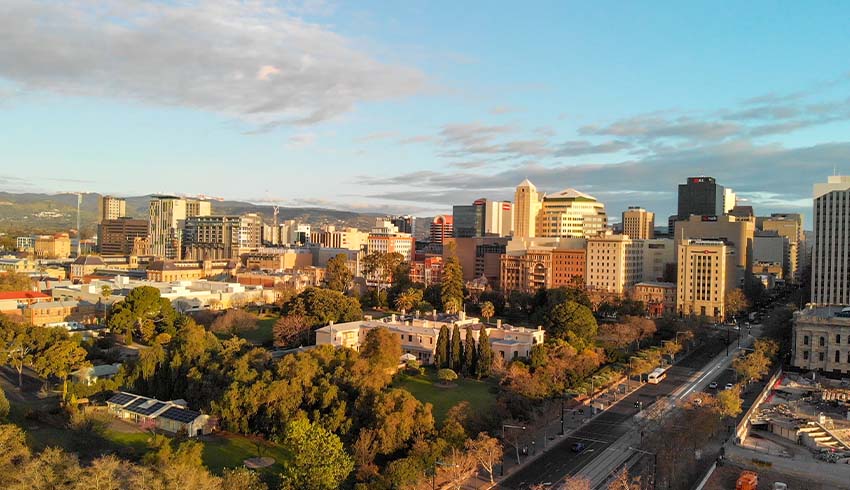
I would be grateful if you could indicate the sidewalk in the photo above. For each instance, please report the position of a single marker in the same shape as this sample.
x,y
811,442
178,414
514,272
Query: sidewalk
x,y
801,465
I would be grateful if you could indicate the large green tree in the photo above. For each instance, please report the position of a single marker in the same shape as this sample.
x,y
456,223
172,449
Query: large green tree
x,y
59,360
337,274
13,281
485,354
456,350
469,353
441,355
321,306
144,314
573,322
317,459
451,287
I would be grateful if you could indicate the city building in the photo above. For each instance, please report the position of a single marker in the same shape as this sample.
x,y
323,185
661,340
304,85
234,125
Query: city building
x,y
659,298
25,243
821,339
479,256
571,214
638,223
442,228
743,213
658,259
85,265
386,238
531,264
419,335
56,246
526,207
468,220
729,229
769,247
701,196
349,238
220,237
614,265
427,271
122,236
790,226
165,270
167,214
706,272
498,217
405,224
830,266
47,313
112,208
730,200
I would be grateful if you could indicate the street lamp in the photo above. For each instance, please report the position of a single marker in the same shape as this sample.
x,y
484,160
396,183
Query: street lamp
x,y
654,462
516,440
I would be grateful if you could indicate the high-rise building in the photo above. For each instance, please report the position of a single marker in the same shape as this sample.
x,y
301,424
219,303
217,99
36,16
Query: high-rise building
x,y
789,225
386,238
571,214
831,253
730,200
468,220
166,216
220,237
706,272
735,233
525,209
498,217
638,223
613,264
701,196
112,208
119,236
405,224
442,228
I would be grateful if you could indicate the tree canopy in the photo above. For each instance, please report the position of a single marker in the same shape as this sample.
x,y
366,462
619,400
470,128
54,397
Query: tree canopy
x,y
322,306
338,276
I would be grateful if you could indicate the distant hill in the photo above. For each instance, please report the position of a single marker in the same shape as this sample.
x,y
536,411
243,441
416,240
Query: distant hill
x,y
46,213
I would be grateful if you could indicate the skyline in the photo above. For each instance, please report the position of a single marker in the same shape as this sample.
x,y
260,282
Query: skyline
x,y
412,108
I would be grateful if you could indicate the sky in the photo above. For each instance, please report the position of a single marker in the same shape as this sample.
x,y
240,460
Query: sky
x,y
410,107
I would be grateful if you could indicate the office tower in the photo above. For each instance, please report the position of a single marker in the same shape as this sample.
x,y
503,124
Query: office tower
x,y
638,223
525,209
735,233
119,236
613,264
701,196
468,220
405,224
112,208
385,238
167,214
706,272
498,217
571,214
831,253
442,228
730,200
789,225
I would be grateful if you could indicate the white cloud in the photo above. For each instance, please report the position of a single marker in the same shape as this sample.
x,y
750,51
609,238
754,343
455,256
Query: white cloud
x,y
196,55
301,140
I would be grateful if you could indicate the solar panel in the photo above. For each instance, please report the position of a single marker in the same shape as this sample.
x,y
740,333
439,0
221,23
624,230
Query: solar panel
x,y
180,415
121,398
140,408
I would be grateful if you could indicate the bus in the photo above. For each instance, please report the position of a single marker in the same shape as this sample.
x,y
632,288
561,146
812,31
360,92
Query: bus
x,y
656,376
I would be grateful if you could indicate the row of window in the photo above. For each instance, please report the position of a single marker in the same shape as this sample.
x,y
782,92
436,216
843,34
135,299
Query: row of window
x,y
822,339
822,356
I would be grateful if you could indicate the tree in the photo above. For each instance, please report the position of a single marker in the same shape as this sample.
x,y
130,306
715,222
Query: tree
x,y
233,322
729,403
337,274
623,481
59,360
18,344
14,281
317,459
441,355
572,321
380,267
487,310
4,405
736,302
452,306
486,450
382,349
456,349
408,299
485,354
13,451
290,330
469,353
446,375
143,313
451,287
576,483
242,479
642,328
322,306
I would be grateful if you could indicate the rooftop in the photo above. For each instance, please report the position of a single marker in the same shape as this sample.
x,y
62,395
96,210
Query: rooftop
x,y
570,193
23,295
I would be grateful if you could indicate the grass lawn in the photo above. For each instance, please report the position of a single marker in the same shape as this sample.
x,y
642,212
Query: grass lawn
x,y
259,336
425,389
226,450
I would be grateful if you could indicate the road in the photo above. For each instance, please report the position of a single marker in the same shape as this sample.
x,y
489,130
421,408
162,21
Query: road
x,y
560,460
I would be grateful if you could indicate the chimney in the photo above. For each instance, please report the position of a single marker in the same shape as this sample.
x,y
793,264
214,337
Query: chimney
x,y
462,315
499,323
539,327
434,312
403,312
392,318
331,323
368,318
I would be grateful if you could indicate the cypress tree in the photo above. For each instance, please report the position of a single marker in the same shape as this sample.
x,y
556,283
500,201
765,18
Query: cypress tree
x,y
457,350
441,357
469,354
485,354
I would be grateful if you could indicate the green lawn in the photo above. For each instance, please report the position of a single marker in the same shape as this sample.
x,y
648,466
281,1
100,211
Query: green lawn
x,y
259,336
425,389
229,450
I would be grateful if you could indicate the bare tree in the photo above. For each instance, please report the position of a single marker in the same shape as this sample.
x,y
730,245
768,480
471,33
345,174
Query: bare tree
x,y
486,450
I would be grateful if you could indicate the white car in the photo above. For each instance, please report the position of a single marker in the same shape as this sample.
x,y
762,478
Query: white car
x,y
728,386
712,385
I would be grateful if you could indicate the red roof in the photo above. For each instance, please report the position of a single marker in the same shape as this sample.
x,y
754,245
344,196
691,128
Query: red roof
x,y
23,295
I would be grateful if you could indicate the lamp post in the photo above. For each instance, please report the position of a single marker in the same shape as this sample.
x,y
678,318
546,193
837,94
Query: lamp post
x,y
516,440
654,462
630,370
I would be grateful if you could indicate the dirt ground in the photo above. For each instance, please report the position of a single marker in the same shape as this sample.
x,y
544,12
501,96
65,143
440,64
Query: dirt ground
x,y
724,478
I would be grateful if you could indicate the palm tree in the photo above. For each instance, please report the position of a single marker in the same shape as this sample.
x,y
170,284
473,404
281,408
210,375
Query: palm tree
x,y
487,310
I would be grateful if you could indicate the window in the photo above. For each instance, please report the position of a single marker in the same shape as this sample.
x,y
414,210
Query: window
x,y
805,340
838,338
822,341
410,338
837,356
805,355
820,356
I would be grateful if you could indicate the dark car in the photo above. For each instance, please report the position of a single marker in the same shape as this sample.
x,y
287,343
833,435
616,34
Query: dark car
x,y
578,447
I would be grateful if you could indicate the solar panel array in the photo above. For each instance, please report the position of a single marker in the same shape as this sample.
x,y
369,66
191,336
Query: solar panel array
x,y
136,407
121,398
180,415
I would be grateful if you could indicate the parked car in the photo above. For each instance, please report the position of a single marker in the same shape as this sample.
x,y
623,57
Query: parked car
x,y
728,386
578,447
712,385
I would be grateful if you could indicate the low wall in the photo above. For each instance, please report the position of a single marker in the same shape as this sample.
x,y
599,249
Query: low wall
x,y
743,428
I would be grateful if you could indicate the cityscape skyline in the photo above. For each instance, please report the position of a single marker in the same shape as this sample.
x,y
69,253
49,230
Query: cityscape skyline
x,y
340,89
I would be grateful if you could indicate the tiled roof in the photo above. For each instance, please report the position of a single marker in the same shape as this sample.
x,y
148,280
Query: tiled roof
x,y
23,295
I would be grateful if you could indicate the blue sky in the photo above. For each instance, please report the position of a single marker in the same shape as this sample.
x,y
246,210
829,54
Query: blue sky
x,y
413,106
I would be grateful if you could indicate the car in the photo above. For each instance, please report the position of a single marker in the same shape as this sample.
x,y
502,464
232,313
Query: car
x,y
578,447
728,386
712,385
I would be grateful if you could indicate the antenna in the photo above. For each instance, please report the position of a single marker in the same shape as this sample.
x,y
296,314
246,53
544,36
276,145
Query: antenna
x,y
79,233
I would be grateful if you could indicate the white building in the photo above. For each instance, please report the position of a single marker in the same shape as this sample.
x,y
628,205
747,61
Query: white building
x,y
613,264
830,264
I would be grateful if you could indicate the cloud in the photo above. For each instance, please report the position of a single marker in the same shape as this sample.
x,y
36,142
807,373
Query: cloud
x,y
380,135
579,148
503,109
301,140
254,61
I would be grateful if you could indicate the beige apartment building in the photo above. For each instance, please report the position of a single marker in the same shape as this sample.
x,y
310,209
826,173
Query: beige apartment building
x,y
57,246
638,223
614,264
707,271
167,214
526,208
349,238
821,339
112,208
571,213
530,264
419,335
735,232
